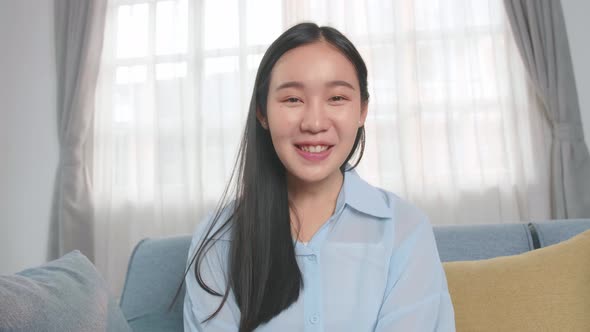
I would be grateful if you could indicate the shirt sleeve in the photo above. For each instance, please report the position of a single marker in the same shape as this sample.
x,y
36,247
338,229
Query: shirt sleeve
x,y
417,296
199,304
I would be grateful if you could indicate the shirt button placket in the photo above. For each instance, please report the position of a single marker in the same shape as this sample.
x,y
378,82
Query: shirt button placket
x,y
314,319
313,305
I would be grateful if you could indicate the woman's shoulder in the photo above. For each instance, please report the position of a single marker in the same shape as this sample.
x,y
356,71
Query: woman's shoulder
x,y
405,209
381,203
407,225
400,209
405,215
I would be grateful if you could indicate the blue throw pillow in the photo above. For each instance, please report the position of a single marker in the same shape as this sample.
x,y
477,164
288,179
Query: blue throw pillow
x,y
67,294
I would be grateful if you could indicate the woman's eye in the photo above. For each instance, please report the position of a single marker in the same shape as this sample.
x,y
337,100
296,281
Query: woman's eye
x,y
337,98
292,100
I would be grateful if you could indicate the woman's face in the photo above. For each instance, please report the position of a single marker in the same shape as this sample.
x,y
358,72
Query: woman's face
x,y
314,111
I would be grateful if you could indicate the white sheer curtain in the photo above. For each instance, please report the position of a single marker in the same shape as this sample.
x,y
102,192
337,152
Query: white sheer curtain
x,y
452,126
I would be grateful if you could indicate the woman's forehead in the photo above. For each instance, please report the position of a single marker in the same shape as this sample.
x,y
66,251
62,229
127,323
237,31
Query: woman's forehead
x,y
318,63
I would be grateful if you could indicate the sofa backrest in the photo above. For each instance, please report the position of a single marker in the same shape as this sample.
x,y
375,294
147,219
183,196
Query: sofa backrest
x,y
474,242
156,267
561,230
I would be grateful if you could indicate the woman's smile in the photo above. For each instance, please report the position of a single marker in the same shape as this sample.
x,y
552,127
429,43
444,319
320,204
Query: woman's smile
x,y
314,152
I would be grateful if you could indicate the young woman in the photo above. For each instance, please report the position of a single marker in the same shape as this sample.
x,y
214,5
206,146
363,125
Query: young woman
x,y
306,244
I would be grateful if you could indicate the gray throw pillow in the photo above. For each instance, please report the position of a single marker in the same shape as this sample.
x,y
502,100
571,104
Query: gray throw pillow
x,y
67,294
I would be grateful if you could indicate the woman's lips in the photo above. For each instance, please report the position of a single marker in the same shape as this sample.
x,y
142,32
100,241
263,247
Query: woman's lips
x,y
314,156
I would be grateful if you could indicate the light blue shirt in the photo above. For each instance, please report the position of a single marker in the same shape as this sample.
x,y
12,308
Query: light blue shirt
x,y
373,266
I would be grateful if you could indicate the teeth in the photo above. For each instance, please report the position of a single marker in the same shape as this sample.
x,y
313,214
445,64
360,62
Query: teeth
x,y
314,149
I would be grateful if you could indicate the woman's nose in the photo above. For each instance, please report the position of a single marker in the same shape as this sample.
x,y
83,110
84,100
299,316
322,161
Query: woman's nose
x,y
315,119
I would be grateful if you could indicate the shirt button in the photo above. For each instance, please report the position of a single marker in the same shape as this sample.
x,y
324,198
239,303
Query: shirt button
x,y
314,319
311,258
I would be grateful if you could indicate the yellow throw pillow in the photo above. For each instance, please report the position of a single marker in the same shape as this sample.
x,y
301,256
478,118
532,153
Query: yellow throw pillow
x,y
547,289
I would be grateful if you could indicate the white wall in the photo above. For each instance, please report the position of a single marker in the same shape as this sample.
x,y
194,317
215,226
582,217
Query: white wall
x,y
576,21
28,143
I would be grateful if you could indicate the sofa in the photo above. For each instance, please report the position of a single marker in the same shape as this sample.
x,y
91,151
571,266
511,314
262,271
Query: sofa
x,y
157,265
503,277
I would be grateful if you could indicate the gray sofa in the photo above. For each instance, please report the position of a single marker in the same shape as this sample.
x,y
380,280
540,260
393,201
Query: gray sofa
x,y
157,266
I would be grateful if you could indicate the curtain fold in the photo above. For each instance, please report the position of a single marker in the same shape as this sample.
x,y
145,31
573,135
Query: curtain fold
x,y
79,29
540,33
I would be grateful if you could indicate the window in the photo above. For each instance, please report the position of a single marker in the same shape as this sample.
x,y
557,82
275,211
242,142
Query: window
x,y
444,76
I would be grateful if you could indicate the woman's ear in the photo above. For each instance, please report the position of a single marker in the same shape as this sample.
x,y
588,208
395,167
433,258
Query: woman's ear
x,y
364,111
261,118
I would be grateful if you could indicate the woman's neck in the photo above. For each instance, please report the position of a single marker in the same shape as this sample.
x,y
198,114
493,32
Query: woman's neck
x,y
314,203
325,190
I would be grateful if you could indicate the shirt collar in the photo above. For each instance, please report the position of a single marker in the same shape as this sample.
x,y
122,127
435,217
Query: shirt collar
x,y
363,197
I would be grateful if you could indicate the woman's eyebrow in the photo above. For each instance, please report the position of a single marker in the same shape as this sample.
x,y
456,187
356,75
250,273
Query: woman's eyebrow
x,y
332,84
291,84
300,85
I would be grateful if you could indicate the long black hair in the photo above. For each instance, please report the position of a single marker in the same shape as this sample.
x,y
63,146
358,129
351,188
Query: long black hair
x,y
263,273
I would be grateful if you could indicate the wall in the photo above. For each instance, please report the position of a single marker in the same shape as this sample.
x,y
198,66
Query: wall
x,y
575,13
28,143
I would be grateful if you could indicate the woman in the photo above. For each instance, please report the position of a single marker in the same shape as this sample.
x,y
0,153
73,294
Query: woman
x,y
306,244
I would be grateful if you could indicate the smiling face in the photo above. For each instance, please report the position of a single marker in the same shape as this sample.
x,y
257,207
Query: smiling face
x,y
314,111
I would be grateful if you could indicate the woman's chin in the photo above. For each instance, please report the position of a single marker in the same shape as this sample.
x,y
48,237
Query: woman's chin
x,y
311,174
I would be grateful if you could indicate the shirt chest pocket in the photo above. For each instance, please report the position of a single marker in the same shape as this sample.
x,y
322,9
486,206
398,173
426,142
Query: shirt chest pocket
x,y
354,277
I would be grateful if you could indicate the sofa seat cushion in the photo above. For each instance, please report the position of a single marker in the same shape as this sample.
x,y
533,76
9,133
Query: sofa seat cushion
x,y
547,289
67,294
